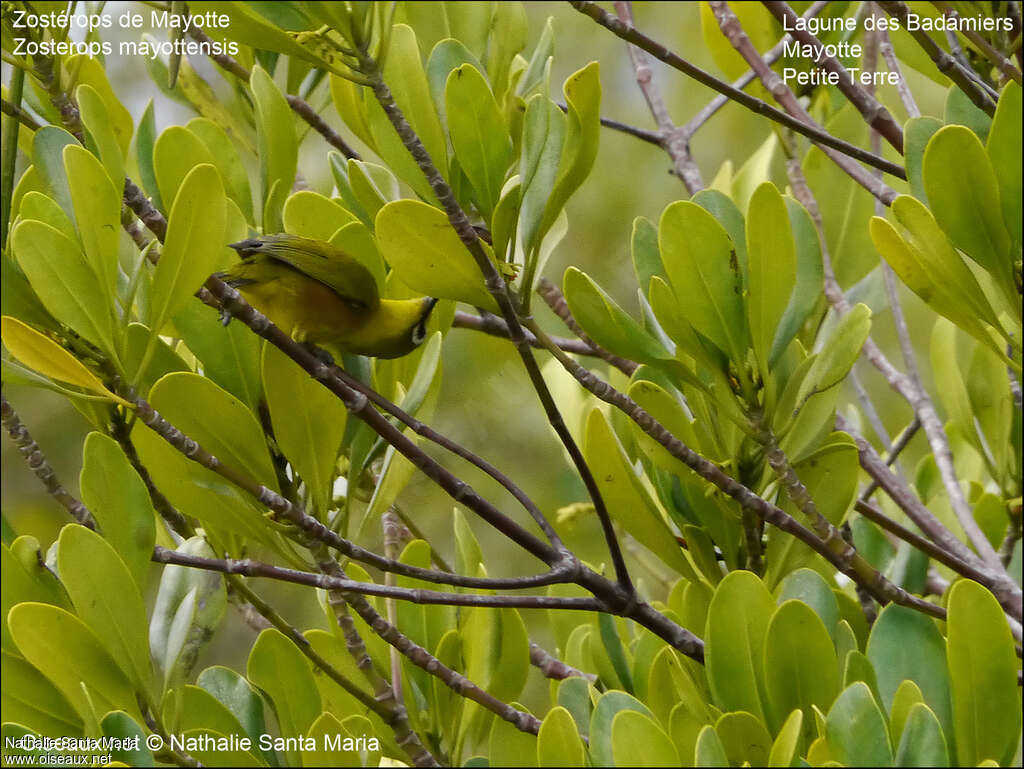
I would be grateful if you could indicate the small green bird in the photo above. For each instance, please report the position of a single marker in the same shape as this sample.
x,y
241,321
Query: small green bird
x,y
319,294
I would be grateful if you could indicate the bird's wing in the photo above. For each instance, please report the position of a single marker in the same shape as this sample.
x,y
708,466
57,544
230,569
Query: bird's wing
x,y
334,268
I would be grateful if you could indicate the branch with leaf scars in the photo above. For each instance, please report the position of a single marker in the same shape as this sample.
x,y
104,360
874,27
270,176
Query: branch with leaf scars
x,y
38,464
946,64
219,294
498,289
835,551
730,25
1006,591
812,131
911,390
299,106
674,140
876,115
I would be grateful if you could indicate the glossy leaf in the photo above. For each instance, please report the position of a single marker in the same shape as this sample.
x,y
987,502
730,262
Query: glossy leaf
x,y
47,357
29,698
176,153
982,675
809,278
772,267
118,499
1004,150
856,729
238,696
800,662
607,707
917,132
838,353
478,133
278,147
738,619
558,742
308,421
192,248
48,145
808,586
785,749
284,674
544,128
906,645
626,497
954,161
701,264
97,121
637,737
419,243
227,160
64,282
709,750
98,209
745,739
922,742
71,656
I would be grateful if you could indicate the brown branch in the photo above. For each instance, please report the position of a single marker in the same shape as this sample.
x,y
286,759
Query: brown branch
x,y
492,325
945,63
876,115
812,131
38,464
998,60
734,33
675,141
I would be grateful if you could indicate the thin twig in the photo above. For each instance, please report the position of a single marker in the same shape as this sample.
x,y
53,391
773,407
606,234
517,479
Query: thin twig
x,y
893,65
498,289
893,453
814,132
747,78
299,106
876,115
914,394
946,64
737,37
999,61
674,140
491,324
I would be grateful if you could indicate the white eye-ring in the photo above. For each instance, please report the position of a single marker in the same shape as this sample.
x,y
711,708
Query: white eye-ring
x,y
419,333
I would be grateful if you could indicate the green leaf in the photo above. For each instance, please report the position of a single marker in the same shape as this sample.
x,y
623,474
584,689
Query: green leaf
x,y
144,142
808,586
607,707
809,279
29,698
419,243
90,71
176,153
922,742
508,36
544,128
772,255
479,135
496,650
308,421
48,145
446,56
238,696
285,675
709,750
97,122
906,645
635,736
907,695
47,357
132,750
230,355
278,147
192,248
786,747
701,264
312,215
201,710
746,739
628,501
963,194
607,323
800,663
738,619
118,499
961,110
558,742
917,132
64,282
856,729
70,655
721,206
983,676
101,589
36,205
227,160
507,745
1003,147
403,72
838,353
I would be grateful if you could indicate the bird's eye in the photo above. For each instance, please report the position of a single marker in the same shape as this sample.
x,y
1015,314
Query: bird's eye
x,y
419,333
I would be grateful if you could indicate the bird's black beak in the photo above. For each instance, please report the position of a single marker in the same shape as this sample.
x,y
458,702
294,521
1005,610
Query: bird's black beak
x,y
431,301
